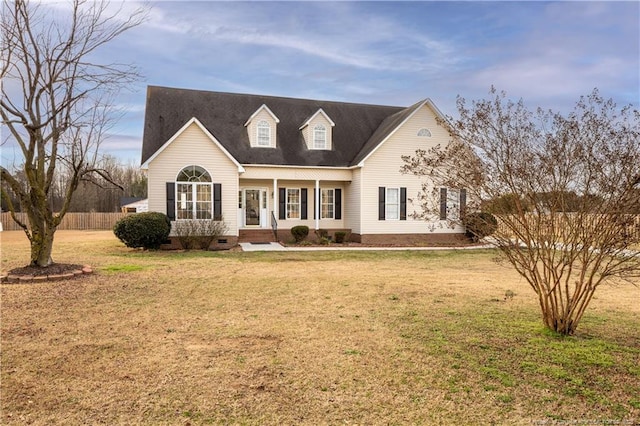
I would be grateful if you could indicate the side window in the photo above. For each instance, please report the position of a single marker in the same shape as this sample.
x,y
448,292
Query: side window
x,y
392,203
452,203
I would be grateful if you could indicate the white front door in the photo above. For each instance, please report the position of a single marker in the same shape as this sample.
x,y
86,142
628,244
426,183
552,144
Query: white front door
x,y
254,208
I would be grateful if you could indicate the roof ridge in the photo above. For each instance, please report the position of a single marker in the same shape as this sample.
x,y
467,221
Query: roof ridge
x,y
324,101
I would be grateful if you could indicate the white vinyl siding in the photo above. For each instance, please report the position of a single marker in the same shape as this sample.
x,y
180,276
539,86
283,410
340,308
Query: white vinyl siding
x,y
191,147
381,169
352,202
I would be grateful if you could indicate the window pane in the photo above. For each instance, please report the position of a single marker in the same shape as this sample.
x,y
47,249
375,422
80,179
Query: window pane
x,y
193,174
326,204
319,137
194,201
453,204
184,201
264,134
293,203
392,204
392,196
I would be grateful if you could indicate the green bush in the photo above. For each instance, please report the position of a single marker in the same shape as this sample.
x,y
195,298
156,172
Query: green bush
x,y
147,230
480,225
322,234
341,237
300,232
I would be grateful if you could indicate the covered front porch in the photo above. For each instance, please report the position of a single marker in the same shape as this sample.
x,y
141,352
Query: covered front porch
x,y
268,209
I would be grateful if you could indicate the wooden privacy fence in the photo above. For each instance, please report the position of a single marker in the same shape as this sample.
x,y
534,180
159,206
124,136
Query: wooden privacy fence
x,y
631,227
70,221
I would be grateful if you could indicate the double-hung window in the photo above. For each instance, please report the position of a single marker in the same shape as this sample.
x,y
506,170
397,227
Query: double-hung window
x,y
194,192
263,133
319,137
327,203
452,203
293,203
393,204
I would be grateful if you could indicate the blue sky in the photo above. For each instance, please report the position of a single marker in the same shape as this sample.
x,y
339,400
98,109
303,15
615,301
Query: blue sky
x,y
391,53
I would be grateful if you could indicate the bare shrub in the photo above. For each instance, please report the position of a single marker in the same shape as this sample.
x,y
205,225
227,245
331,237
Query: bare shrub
x,y
198,233
564,189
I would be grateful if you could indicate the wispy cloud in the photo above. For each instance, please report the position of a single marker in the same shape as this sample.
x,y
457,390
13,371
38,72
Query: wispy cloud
x,y
393,53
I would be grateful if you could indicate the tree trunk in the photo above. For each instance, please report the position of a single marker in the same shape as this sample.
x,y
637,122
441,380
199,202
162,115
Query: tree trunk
x,y
42,245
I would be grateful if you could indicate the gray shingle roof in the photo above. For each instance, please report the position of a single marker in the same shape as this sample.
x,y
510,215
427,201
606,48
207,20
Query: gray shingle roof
x,y
359,128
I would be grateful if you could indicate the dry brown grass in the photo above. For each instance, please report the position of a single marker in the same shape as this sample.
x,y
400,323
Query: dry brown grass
x,y
303,338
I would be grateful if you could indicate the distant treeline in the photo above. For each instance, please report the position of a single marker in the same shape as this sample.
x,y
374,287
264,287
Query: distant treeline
x,y
98,195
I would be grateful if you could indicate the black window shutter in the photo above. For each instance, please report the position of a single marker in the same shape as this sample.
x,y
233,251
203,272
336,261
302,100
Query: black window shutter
x,y
381,202
282,203
443,203
171,200
338,204
303,202
403,203
315,202
463,202
217,201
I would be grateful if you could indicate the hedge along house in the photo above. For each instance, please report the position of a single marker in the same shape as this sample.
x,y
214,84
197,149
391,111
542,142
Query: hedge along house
x,y
264,163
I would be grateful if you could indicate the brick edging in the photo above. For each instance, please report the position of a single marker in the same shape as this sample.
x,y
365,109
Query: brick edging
x,y
19,279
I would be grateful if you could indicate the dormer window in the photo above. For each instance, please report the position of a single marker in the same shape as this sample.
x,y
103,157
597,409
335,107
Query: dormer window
x,y
263,136
262,128
316,131
424,133
319,137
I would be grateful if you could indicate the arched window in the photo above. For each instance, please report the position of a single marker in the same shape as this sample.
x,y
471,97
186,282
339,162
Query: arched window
x,y
319,137
194,194
264,133
424,132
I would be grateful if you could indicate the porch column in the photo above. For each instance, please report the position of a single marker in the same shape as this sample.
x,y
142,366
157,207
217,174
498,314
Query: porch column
x,y
316,204
275,199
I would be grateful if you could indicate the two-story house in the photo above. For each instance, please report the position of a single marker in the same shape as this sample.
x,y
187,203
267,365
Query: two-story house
x,y
262,162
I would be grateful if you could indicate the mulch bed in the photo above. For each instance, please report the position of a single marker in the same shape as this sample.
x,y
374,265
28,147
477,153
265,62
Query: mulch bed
x,y
53,272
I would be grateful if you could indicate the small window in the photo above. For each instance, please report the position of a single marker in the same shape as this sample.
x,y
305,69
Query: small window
x,y
424,133
319,137
327,204
264,133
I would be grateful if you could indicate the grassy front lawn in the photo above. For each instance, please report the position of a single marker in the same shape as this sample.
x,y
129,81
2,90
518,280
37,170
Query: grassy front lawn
x,y
304,338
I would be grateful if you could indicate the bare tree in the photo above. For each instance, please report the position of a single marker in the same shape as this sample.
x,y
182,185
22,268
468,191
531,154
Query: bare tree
x,y
57,103
563,188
